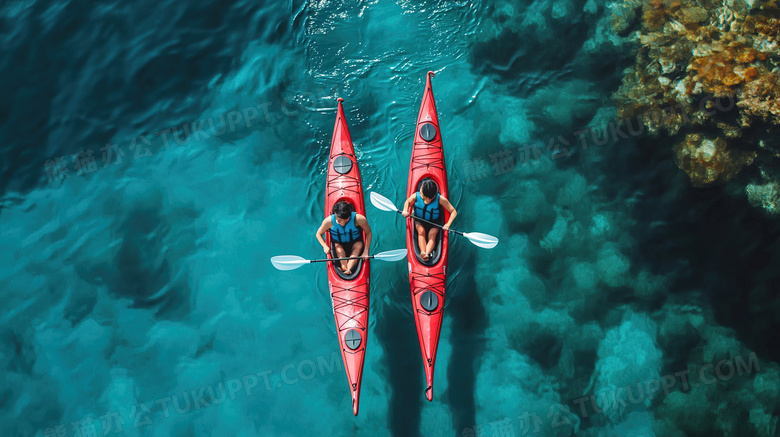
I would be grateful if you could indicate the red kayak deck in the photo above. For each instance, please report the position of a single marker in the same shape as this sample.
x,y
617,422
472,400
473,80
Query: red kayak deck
x,y
349,295
427,279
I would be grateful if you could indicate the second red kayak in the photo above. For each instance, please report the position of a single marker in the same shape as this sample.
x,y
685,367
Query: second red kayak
x,y
427,278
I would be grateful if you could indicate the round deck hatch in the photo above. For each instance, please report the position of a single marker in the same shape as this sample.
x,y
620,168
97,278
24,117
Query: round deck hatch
x,y
353,339
429,300
428,132
342,164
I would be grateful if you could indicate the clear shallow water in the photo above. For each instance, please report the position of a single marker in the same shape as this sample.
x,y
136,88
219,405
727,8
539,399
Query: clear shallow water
x,y
139,294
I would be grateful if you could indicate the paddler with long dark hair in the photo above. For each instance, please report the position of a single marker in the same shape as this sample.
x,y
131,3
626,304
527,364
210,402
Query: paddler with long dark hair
x,y
428,204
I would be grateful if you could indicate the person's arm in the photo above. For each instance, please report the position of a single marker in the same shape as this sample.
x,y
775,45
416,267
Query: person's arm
x,y
326,224
405,210
448,206
362,223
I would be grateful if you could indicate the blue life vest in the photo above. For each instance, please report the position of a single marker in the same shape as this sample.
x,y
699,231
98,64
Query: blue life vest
x,y
344,234
428,212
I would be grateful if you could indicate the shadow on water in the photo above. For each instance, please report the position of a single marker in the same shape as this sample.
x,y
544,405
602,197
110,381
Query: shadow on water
x,y
398,335
469,322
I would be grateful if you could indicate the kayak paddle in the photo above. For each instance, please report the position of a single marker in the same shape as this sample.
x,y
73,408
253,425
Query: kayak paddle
x,y
484,241
292,262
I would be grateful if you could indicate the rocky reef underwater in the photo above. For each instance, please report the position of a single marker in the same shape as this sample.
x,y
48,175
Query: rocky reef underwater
x,y
707,77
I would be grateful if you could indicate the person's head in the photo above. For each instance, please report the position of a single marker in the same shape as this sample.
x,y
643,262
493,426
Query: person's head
x,y
343,211
428,189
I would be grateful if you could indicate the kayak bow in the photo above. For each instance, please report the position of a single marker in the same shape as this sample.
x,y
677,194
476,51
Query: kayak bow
x,y
349,294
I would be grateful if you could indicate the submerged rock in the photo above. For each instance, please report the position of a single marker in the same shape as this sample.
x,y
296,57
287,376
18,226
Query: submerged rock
x,y
766,196
707,160
623,15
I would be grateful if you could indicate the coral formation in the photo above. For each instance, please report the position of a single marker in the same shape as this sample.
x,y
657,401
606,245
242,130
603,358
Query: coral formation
x,y
707,161
766,196
706,73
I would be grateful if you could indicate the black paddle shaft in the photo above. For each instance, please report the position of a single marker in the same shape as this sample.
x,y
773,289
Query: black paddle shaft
x,y
337,259
426,221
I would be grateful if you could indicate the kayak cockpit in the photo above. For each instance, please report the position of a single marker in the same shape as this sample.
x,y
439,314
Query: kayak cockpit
x,y
437,245
337,264
348,250
436,250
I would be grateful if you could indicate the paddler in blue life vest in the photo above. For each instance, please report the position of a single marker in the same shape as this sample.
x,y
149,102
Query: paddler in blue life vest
x,y
345,227
428,204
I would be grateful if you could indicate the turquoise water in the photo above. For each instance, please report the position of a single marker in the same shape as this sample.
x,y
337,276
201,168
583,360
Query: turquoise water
x,y
138,294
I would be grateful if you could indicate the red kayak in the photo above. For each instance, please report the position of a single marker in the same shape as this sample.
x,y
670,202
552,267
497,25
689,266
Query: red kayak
x,y
349,293
427,278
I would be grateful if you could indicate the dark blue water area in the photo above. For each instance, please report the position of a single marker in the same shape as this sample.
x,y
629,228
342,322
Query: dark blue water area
x,y
156,155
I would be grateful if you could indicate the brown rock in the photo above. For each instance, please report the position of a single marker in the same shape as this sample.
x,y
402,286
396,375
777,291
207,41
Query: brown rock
x,y
707,160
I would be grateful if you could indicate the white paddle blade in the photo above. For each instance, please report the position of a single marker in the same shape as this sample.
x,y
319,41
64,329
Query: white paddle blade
x,y
288,262
382,202
391,255
484,241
